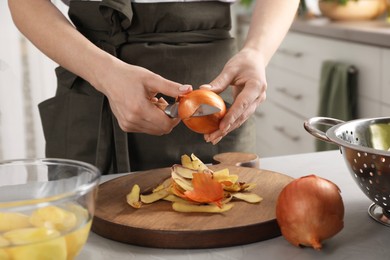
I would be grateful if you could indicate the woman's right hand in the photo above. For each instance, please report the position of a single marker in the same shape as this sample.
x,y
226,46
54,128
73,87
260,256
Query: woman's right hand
x,y
130,89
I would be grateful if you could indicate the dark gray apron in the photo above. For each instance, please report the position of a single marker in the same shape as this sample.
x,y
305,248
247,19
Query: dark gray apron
x,y
185,42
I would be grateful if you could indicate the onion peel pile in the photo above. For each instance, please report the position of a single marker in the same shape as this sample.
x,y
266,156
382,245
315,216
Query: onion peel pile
x,y
206,190
193,187
310,210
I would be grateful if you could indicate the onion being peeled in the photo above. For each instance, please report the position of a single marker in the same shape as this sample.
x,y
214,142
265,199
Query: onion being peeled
x,y
191,101
310,210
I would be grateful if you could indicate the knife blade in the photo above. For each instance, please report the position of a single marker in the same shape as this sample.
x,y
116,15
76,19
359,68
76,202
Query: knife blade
x,y
203,110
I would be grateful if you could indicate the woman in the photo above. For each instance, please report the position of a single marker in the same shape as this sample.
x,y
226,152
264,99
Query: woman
x,y
117,56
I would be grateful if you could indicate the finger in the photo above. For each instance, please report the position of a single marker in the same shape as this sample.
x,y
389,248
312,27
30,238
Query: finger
x,y
148,128
244,105
170,88
215,137
221,82
148,119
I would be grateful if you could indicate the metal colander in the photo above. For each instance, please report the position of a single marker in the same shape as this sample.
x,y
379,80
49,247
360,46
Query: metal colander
x,y
364,144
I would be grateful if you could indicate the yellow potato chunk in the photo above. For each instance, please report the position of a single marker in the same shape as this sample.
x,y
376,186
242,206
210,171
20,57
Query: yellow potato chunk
x,y
30,235
76,240
53,217
12,220
36,244
4,255
3,242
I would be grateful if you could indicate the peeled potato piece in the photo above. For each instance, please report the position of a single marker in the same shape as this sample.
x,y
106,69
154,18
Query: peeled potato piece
x,y
3,242
54,217
38,243
12,220
30,235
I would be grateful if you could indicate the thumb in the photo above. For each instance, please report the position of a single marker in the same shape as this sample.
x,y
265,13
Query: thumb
x,y
220,83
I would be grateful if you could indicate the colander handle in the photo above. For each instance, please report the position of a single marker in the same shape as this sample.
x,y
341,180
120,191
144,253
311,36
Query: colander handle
x,y
310,126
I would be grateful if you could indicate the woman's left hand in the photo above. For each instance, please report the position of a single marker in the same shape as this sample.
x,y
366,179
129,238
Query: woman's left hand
x,y
245,72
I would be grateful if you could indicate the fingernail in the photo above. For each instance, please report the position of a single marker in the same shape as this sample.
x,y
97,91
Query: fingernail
x,y
217,140
184,88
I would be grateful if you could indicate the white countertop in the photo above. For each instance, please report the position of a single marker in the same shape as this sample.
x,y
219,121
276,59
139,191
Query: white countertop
x,y
372,32
361,237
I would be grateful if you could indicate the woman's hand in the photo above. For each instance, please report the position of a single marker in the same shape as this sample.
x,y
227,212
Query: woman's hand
x,y
270,22
245,72
130,91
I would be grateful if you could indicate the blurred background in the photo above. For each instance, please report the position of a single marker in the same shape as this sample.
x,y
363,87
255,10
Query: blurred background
x,y
26,79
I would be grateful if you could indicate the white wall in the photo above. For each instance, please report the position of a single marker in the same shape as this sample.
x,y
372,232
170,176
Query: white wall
x,y
26,79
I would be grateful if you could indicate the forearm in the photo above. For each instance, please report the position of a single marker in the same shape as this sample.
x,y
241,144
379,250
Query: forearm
x,y
270,22
46,27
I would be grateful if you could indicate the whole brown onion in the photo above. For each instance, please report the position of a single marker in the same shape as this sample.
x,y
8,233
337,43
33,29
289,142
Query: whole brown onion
x,y
309,210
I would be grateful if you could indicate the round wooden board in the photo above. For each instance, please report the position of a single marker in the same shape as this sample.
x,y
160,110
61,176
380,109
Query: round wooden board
x,y
157,225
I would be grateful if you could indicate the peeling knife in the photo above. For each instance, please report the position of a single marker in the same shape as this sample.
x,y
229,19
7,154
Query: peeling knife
x,y
203,110
172,109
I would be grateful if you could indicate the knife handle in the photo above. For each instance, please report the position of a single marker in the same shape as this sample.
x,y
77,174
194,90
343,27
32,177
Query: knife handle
x,y
161,103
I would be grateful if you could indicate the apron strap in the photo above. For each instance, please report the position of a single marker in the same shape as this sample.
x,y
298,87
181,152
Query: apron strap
x,y
112,11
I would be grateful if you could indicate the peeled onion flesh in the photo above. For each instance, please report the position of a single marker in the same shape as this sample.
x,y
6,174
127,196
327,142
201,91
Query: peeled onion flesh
x,y
309,210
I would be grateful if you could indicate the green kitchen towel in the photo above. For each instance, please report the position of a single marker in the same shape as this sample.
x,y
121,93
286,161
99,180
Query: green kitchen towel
x,y
338,95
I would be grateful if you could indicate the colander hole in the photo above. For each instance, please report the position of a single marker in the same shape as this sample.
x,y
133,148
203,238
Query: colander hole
x,y
354,160
358,154
365,165
374,156
372,165
370,181
384,203
356,175
383,159
357,139
368,188
376,199
384,198
365,154
379,173
361,170
371,174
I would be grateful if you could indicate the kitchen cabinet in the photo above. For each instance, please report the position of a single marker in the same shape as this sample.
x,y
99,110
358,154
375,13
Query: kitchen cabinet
x,y
385,95
293,77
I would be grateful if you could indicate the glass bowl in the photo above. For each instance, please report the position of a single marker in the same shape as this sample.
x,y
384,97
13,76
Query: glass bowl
x,y
46,207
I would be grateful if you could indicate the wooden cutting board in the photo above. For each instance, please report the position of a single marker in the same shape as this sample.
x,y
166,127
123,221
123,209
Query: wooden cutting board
x,y
157,225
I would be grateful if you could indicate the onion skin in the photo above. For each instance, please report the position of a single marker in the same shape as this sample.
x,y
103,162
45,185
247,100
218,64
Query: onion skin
x,y
309,210
191,101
